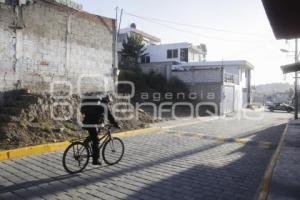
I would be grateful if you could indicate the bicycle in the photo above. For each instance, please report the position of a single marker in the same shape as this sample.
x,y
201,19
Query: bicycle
x,y
79,153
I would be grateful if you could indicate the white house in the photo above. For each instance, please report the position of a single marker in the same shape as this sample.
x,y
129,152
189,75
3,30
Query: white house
x,y
157,52
175,52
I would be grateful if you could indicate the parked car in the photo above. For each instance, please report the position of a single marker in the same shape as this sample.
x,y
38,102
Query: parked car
x,y
269,103
281,106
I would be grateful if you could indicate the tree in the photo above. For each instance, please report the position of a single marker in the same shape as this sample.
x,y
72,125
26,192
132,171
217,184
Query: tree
x,y
133,49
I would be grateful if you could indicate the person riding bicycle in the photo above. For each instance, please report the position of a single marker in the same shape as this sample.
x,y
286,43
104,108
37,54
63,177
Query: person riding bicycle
x,y
95,111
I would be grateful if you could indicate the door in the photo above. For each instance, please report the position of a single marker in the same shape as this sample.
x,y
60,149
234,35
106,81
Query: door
x,y
228,99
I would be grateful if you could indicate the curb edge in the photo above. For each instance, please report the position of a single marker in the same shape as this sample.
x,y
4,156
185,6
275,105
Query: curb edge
x,y
52,147
264,187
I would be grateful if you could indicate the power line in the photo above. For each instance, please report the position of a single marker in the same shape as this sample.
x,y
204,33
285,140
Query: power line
x,y
189,32
196,26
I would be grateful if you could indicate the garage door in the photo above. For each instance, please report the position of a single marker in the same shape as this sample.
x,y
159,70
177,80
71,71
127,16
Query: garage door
x,y
228,99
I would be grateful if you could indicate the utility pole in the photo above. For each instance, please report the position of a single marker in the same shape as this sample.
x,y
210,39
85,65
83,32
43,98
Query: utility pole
x,y
115,53
296,80
120,21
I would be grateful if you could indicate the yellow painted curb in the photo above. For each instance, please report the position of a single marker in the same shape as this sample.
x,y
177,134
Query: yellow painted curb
x,y
51,147
136,132
241,141
32,150
4,155
221,140
265,145
183,124
265,185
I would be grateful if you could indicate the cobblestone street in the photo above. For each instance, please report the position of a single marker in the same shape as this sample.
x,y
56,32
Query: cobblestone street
x,y
198,161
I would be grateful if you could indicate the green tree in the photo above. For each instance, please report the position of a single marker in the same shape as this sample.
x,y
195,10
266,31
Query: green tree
x,y
133,49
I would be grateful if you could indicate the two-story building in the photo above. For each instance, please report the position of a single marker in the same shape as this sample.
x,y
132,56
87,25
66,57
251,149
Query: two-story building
x,y
175,52
157,52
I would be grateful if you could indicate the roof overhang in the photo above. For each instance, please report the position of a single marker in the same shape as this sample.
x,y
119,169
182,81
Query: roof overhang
x,y
295,67
142,33
151,37
230,63
284,17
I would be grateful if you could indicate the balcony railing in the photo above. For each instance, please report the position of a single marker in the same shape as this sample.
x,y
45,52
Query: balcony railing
x,y
231,78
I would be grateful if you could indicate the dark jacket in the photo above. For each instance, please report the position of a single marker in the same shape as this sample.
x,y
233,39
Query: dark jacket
x,y
95,114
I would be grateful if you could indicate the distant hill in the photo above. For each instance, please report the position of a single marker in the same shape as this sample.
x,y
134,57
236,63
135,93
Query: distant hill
x,y
271,88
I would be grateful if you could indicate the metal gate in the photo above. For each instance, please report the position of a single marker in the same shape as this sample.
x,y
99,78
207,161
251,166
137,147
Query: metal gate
x,y
228,99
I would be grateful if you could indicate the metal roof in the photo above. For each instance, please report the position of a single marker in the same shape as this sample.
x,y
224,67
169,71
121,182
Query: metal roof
x,y
291,68
144,34
284,17
225,63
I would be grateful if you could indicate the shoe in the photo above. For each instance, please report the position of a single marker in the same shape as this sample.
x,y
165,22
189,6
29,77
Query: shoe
x,y
97,162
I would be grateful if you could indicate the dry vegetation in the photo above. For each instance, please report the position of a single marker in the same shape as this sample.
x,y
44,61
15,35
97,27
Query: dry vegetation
x,y
25,119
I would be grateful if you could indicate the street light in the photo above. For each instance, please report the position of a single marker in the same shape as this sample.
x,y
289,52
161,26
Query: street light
x,y
287,51
296,75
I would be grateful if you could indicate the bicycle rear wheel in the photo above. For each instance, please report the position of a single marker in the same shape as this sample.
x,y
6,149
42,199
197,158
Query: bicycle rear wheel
x,y
76,157
113,151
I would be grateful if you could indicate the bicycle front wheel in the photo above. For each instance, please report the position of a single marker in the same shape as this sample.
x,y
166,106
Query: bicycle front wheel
x,y
113,151
76,157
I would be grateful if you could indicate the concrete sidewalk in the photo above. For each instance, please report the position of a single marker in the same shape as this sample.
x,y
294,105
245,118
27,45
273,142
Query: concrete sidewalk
x,y
285,182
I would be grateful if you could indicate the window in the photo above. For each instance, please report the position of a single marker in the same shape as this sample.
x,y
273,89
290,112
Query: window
x,y
184,55
172,53
145,59
175,53
169,54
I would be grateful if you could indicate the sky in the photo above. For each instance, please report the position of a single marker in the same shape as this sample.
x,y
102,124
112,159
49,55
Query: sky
x,y
231,29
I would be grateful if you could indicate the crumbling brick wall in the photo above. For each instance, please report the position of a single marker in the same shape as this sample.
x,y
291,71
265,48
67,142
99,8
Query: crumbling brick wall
x,y
55,44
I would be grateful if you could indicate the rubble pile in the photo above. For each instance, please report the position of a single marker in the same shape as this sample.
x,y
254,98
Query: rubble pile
x,y
29,119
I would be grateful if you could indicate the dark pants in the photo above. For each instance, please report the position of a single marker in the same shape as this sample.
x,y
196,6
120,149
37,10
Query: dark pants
x,y
95,143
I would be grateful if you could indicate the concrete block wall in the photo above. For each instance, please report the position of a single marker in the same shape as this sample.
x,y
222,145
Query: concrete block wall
x,y
8,74
57,43
189,77
162,68
199,76
208,93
